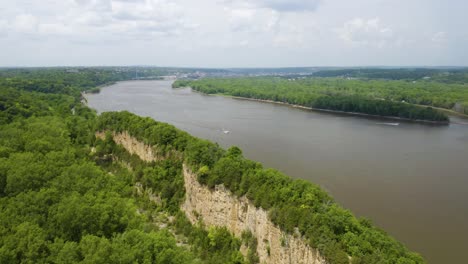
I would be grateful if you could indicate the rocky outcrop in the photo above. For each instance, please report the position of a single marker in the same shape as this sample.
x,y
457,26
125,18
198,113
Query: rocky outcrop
x,y
133,146
219,207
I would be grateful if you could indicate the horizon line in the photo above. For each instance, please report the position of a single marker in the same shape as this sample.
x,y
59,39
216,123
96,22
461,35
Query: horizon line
x,y
243,67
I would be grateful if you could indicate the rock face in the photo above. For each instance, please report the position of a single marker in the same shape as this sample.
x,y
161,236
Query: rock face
x,y
219,207
132,145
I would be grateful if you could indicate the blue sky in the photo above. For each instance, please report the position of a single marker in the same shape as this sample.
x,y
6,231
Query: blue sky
x,y
234,33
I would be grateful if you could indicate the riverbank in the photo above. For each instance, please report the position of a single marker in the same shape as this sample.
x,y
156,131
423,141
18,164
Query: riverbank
x,y
447,111
97,89
94,90
441,123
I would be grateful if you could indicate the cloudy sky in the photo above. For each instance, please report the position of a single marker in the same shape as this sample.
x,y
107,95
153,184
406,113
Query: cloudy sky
x,y
234,33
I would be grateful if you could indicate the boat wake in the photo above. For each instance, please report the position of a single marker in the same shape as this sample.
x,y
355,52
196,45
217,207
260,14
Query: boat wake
x,y
389,124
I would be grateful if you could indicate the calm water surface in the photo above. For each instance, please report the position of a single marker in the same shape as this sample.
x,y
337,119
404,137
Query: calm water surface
x,y
411,179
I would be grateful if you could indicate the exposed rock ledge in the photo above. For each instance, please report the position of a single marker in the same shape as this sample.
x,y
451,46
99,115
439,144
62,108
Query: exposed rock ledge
x,y
132,145
219,207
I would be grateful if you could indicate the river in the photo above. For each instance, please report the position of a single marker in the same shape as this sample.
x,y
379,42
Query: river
x,y
410,179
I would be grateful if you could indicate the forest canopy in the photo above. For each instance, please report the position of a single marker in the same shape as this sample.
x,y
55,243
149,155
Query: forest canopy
x,y
65,199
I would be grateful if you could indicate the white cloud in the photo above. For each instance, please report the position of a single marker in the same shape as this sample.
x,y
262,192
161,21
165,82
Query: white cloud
x,y
252,20
88,19
95,5
439,37
54,29
25,23
244,43
359,31
291,5
232,32
279,5
138,18
103,19
3,27
241,19
288,41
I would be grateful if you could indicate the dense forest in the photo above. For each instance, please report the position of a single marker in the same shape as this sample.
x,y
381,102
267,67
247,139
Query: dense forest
x,y
69,197
65,199
402,99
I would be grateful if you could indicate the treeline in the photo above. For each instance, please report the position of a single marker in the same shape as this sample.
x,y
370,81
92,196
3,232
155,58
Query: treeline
x,y
291,204
66,197
383,98
380,73
359,104
70,80
447,75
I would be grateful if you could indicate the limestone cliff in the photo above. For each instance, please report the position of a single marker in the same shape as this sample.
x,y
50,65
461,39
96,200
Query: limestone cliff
x,y
219,207
133,146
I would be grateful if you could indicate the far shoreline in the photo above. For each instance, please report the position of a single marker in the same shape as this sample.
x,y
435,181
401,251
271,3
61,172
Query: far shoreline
x,y
427,122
